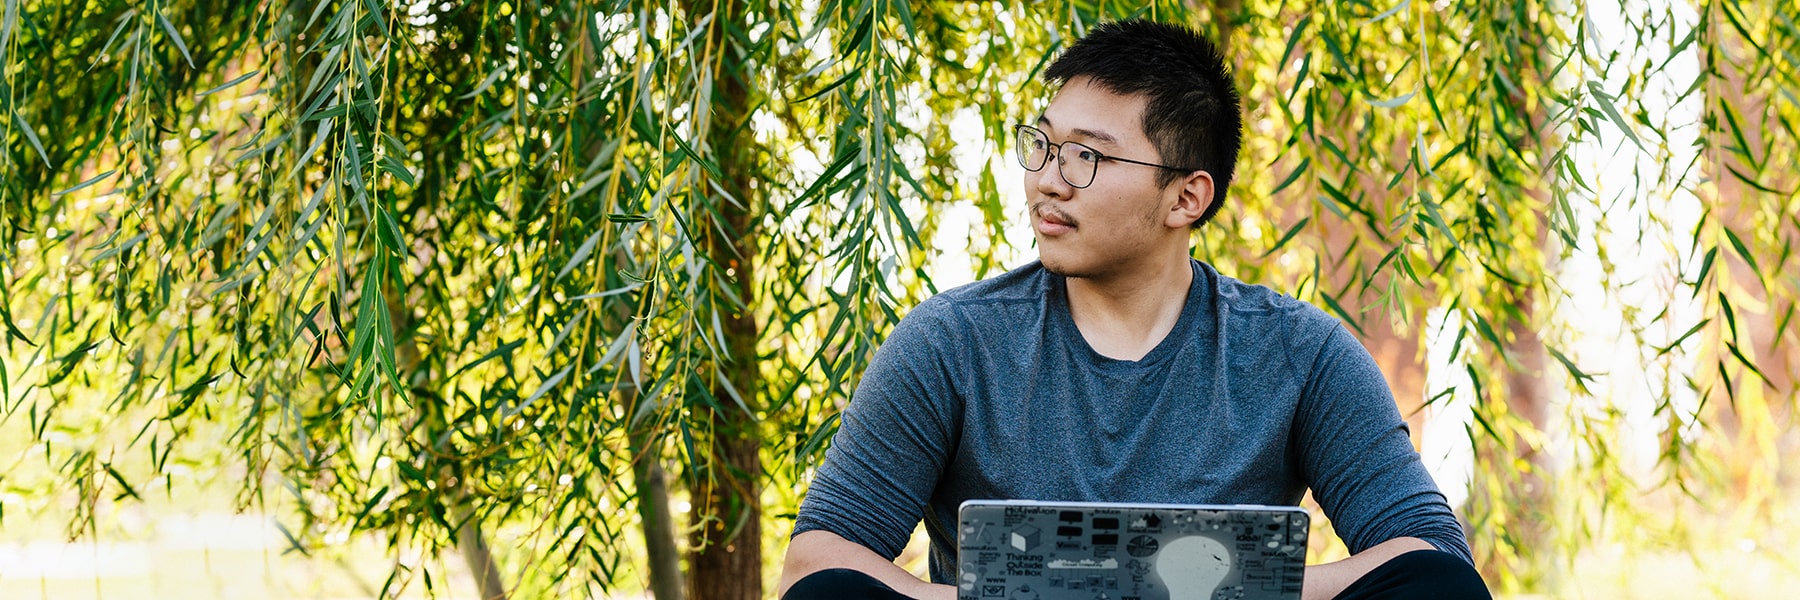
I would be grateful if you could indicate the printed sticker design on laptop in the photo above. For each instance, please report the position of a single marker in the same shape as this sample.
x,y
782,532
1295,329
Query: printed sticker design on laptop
x,y
1019,550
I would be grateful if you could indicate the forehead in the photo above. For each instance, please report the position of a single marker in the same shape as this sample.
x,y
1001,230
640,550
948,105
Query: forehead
x,y
1087,113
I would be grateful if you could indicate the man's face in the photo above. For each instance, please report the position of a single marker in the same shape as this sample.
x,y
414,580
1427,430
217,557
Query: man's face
x,y
1101,229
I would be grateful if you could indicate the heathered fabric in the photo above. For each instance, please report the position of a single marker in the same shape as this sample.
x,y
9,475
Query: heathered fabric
x,y
988,391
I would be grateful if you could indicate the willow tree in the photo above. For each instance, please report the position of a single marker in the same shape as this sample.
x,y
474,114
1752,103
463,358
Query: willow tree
x,y
454,274
476,277
1432,165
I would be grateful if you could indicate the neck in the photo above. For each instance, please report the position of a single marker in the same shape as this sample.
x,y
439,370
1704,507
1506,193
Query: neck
x,y
1127,314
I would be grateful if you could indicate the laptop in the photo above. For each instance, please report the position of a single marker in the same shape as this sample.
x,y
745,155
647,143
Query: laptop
x,y
1030,550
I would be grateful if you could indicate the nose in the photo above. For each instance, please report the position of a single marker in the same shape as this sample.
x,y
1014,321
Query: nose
x,y
1049,180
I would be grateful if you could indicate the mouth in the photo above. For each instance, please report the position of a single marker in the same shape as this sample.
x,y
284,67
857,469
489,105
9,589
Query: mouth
x,y
1054,218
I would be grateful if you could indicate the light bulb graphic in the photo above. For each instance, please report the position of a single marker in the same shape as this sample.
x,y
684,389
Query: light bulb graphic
x,y
1193,566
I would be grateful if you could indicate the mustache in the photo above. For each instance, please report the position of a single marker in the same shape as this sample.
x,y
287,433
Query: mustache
x,y
1043,209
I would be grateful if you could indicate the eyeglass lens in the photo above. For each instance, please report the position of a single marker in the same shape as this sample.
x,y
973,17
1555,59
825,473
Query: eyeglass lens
x,y
1034,151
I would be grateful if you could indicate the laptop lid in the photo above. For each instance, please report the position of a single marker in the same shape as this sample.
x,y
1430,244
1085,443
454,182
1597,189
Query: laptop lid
x,y
1030,550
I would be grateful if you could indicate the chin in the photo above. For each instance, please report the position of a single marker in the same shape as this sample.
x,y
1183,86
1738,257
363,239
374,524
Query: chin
x,y
1063,267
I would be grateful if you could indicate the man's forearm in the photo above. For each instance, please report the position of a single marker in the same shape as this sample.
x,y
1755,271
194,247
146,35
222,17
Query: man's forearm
x,y
1328,580
816,551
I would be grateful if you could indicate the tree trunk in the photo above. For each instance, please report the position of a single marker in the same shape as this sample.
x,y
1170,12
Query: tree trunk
x,y
478,555
658,521
469,538
1224,15
726,561
1746,410
1533,509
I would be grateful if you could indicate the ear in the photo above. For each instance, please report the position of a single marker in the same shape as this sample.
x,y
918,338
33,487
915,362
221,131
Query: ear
x,y
1193,195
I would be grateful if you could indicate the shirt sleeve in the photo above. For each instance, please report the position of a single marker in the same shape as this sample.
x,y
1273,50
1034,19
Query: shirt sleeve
x,y
895,438
1357,458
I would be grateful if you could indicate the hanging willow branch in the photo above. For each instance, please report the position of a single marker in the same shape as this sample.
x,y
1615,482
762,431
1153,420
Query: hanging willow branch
x,y
440,271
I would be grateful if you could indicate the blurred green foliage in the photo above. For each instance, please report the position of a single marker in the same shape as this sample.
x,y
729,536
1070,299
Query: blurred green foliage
x,y
427,269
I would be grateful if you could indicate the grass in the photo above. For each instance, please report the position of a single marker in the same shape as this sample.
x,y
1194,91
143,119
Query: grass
x,y
140,571
219,556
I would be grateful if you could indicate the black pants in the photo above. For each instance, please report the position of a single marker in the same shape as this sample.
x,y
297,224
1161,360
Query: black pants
x,y
1417,574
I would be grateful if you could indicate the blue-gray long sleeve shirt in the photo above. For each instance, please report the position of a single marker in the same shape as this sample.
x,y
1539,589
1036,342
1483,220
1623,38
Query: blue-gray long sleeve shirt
x,y
988,391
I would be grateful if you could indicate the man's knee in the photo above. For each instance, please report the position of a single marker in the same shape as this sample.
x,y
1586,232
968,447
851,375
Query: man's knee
x,y
1448,572
833,584
1420,574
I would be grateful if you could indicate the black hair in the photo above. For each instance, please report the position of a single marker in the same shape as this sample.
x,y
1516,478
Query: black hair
x,y
1192,114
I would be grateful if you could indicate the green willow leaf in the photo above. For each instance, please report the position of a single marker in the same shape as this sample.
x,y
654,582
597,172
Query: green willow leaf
x,y
1388,13
122,247
1332,303
120,479
9,22
175,36
486,82
1747,363
1581,377
84,184
1287,51
1742,251
581,254
31,136
229,84
392,166
1395,102
1612,112
543,388
1292,176
1683,337
1291,232
1752,182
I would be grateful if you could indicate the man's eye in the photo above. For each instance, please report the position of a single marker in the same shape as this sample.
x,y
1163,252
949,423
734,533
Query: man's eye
x,y
1088,156
1038,144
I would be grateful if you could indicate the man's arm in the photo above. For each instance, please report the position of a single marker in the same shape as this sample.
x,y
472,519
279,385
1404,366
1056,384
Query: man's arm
x,y
818,550
1328,580
887,456
1356,457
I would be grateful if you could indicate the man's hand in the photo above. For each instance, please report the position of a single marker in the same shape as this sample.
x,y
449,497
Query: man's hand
x,y
1328,580
817,550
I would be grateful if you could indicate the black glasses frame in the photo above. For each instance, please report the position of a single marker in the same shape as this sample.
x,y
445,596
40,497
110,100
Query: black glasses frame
x,y
1057,149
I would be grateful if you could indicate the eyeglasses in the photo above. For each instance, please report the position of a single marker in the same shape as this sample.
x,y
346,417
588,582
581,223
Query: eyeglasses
x,y
1034,149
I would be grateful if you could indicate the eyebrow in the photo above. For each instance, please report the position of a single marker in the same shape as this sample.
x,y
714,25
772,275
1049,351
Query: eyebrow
x,y
1098,136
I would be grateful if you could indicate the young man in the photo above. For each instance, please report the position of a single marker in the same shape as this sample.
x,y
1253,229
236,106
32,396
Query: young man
x,y
1119,369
